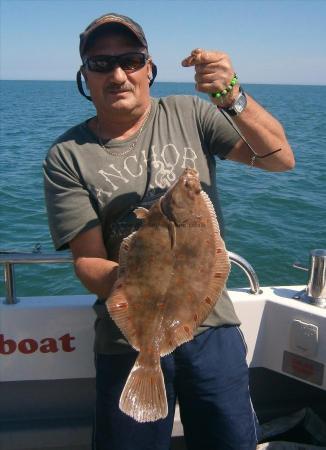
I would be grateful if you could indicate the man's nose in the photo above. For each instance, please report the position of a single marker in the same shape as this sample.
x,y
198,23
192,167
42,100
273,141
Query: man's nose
x,y
118,75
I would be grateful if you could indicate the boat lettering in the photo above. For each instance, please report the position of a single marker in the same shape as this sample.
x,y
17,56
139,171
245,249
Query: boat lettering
x,y
28,346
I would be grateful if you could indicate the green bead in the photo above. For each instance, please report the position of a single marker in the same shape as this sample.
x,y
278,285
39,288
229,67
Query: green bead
x,y
233,81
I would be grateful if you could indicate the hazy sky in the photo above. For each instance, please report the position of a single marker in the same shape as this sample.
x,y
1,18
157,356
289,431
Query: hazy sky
x,y
269,41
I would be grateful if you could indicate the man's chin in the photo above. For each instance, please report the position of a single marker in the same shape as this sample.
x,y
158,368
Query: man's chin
x,y
121,100
120,108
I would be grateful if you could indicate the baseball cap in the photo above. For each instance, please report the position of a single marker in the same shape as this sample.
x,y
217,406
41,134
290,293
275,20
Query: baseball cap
x,y
133,26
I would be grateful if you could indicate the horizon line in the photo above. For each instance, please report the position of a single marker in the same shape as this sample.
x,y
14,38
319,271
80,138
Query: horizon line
x,y
284,83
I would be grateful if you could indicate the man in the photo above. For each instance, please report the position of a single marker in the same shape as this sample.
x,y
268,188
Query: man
x,y
127,155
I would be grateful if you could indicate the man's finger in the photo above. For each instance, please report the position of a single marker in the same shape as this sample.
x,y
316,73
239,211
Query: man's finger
x,y
200,56
190,60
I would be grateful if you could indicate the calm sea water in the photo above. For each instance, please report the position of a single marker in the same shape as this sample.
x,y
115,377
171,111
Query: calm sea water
x,y
272,219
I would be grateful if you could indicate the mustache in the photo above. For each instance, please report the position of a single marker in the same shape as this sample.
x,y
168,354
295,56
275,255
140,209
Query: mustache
x,y
114,87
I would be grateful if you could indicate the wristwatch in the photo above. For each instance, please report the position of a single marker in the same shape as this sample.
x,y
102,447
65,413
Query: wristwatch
x,y
239,104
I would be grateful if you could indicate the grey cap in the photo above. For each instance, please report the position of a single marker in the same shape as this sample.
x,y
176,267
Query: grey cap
x,y
112,18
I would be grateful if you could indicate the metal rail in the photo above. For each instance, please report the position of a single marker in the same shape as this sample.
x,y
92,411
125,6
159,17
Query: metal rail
x,y
248,270
10,259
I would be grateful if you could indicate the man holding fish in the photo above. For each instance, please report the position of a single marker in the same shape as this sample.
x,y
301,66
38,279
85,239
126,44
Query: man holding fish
x,y
148,164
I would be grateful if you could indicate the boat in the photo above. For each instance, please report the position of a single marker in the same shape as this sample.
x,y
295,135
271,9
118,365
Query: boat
x,y
46,356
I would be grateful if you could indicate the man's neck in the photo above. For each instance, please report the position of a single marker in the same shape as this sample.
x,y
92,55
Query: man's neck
x,y
119,126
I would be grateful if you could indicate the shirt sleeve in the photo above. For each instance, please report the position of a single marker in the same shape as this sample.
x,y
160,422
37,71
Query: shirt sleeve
x,y
69,206
219,137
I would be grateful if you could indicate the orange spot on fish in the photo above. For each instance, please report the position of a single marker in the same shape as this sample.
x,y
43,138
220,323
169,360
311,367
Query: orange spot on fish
x,y
195,317
208,300
219,250
170,343
122,305
161,305
186,329
217,275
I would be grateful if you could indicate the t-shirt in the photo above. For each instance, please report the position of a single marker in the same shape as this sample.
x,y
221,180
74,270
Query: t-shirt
x,y
87,184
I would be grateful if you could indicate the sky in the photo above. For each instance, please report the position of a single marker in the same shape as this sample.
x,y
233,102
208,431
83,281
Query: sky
x,y
269,41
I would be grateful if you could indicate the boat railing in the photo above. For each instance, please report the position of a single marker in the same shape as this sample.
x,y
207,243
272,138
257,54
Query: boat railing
x,y
10,259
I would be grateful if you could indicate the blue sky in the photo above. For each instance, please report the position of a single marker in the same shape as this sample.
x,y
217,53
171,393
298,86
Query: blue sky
x,y
269,41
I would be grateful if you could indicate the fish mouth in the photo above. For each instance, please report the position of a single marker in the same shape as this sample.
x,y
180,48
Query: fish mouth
x,y
191,182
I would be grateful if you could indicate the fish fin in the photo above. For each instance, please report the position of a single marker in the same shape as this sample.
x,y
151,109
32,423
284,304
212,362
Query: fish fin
x,y
141,213
220,270
144,397
175,337
172,234
211,210
123,252
118,308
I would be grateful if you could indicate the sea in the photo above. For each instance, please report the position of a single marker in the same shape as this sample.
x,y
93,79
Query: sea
x,y
272,219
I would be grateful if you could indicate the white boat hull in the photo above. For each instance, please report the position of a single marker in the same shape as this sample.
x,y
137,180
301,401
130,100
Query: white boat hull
x,y
47,371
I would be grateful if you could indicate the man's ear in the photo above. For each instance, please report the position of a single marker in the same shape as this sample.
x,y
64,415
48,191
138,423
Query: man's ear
x,y
149,70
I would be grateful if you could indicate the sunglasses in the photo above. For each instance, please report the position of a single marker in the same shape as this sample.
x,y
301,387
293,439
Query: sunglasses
x,y
129,62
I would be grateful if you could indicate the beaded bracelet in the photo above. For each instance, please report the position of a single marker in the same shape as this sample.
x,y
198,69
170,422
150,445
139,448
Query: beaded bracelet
x,y
228,89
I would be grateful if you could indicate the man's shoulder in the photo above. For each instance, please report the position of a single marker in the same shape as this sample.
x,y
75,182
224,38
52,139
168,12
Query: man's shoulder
x,y
70,140
72,134
184,103
179,100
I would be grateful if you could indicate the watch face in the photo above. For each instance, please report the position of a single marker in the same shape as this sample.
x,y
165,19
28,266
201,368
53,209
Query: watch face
x,y
240,104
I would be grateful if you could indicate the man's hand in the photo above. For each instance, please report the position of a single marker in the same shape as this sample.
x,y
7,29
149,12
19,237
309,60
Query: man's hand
x,y
213,73
265,134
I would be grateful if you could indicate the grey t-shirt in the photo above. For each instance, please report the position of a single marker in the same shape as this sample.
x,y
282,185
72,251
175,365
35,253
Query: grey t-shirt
x,y
87,184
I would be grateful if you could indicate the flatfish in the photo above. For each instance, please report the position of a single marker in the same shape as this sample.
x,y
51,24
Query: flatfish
x,y
171,273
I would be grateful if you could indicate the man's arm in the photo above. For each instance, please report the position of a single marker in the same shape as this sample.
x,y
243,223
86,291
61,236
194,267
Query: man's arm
x,y
92,267
263,132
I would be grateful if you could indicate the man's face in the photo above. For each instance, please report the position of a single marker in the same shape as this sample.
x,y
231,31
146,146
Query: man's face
x,y
118,92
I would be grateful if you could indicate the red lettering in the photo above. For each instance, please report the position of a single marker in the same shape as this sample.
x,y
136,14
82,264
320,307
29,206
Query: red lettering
x,y
303,368
66,339
27,346
7,346
49,345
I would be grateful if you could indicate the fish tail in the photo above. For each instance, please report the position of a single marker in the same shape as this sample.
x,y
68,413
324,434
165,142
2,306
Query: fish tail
x,y
144,397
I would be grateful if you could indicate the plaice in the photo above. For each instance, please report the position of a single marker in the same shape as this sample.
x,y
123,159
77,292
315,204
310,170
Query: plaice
x,y
171,273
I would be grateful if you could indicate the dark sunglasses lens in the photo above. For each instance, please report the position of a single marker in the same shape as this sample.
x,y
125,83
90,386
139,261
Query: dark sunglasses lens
x,y
128,62
132,61
100,64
